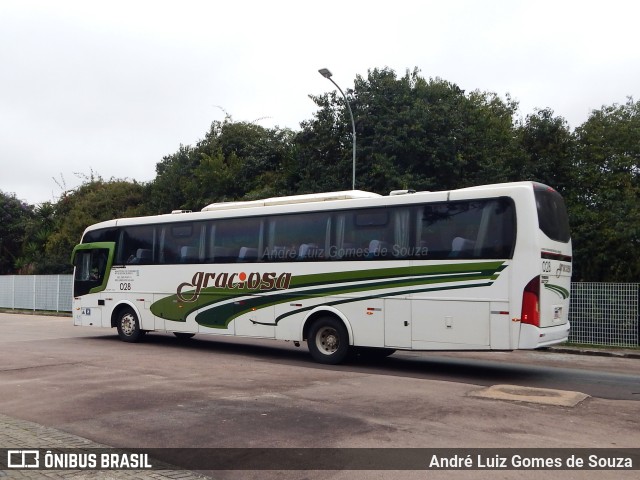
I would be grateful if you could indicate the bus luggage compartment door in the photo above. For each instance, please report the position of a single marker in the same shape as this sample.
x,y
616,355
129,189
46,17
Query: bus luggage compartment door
x,y
397,323
442,324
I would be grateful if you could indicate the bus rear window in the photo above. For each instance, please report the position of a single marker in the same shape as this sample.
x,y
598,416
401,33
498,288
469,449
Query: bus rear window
x,y
552,214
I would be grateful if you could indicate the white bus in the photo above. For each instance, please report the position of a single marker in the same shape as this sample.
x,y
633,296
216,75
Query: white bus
x,y
481,268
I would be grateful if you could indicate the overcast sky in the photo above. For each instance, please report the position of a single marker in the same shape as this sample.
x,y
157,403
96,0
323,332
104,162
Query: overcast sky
x,y
113,86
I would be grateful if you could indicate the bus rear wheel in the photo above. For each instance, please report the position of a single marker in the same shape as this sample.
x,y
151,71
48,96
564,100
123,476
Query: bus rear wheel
x,y
128,326
328,341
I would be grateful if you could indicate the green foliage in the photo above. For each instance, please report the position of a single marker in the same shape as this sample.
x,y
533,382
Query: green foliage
x,y
490,152
323,148
411,132
548,150
14,216
235,160
409,128
38,229
95,201
605,195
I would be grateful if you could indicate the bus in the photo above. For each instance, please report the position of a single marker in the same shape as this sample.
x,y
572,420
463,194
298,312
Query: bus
x,y
479,268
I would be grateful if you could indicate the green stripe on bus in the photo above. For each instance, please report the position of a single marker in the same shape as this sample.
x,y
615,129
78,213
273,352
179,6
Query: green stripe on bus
x,y
236,302
558,290
220,316
173,309
323,284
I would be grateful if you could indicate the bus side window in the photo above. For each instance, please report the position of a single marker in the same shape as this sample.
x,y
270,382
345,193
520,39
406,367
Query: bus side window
x,y
468,229
450,229
296,237
433,234
402,233
496,238
180,243
143,256
235,240
373,232
137,245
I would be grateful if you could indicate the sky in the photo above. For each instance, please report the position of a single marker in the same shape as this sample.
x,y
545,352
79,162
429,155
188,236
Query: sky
x,y
108,88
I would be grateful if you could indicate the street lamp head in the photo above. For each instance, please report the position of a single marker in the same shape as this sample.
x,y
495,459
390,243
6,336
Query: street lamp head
x,y
325,72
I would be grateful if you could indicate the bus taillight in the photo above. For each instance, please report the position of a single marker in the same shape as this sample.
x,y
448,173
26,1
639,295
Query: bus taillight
x,y
531,303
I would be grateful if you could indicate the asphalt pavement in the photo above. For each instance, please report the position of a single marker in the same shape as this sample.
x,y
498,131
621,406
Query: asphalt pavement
x,y
16,433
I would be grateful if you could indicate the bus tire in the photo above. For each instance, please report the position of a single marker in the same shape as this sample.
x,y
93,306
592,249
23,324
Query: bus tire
x,y
128,326
328,341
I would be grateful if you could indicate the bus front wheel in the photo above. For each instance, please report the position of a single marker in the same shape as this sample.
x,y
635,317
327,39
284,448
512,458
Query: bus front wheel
x,y
128,326
328,341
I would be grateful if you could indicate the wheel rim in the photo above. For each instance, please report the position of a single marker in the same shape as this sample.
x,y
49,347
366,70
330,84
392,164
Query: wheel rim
x,y
128,324
327,340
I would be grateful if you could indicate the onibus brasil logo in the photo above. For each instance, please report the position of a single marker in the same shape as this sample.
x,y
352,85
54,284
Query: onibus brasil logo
x,y
190,291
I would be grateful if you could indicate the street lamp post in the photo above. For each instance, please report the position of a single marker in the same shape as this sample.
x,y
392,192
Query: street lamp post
x,y
327,74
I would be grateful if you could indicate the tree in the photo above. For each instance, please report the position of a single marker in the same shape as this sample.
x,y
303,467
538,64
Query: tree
x,y
38,229
166,191
235,160
408,128
548,150
412,133
14,215
322,148
489,151
94,201
605,196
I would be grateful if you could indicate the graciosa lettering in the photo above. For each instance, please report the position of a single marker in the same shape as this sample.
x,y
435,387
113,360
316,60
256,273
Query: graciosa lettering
x,y
190,291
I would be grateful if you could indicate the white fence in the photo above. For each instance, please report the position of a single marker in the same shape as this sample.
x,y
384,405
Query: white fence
x,y
600,313
36,292
605,314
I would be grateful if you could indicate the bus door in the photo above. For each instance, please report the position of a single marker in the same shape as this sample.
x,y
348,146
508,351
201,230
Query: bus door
x,y
92,262
397,323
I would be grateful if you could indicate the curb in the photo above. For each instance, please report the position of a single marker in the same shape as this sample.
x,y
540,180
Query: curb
x,y
597,352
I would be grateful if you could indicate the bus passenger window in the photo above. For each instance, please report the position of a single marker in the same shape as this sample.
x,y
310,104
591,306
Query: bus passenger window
x,y
300,237
235,240
137,245
468,229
